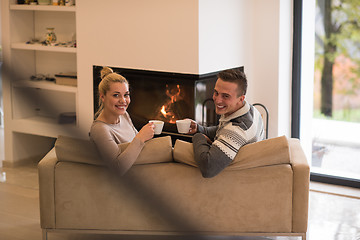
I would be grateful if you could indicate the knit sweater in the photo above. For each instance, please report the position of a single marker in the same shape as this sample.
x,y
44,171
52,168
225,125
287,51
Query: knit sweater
x,y
240,128
107,138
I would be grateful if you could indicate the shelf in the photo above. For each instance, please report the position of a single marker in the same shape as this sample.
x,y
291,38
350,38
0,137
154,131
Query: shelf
x,y
25,7
45,85
39,47
35,107
44,126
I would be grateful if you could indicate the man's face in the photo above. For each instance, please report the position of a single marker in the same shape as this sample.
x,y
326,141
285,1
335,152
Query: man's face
x,y
226,99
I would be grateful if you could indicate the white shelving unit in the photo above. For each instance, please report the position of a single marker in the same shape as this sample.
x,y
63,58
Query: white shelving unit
x,y
46,85
47,8
33,107
39,47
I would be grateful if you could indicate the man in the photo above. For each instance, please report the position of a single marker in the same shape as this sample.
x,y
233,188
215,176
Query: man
x,y
240,123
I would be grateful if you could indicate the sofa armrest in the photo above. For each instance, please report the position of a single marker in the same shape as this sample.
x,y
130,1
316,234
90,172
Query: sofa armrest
x,y
46,169
301,182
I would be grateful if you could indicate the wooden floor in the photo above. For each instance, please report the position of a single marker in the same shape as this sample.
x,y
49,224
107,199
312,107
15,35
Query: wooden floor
x,y
331,216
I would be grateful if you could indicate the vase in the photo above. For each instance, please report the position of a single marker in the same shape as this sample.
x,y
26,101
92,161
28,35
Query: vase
x,y
50,36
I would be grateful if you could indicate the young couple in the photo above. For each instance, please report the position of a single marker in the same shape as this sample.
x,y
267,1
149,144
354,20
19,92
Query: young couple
x,y
214,147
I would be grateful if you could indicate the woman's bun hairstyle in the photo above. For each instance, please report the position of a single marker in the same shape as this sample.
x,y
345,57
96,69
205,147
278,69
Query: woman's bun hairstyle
x,y
105,71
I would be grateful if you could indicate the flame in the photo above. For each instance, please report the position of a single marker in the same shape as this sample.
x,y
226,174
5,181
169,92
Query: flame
x,y
166,109
163,111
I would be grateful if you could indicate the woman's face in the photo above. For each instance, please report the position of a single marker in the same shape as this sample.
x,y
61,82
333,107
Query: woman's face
x,y
117,99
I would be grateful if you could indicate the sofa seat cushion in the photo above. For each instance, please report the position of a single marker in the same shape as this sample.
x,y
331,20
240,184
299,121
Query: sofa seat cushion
x,y
271,151
173,197
70,149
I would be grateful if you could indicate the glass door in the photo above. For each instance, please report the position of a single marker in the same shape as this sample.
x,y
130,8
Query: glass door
x,y
333,99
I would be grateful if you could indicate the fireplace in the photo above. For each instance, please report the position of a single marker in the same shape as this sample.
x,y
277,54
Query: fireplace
x,y
166,96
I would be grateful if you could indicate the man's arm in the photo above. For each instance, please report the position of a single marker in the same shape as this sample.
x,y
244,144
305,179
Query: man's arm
x,y
208,131
210,158
197,128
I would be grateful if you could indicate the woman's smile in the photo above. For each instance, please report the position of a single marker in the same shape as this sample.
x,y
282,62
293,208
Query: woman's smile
x,y
121,106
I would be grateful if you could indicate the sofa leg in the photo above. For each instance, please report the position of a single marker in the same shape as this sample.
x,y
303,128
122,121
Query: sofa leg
x,y
44,234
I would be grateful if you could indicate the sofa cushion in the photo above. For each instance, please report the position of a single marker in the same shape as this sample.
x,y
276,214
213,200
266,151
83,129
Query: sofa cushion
x,y
70,149
264,153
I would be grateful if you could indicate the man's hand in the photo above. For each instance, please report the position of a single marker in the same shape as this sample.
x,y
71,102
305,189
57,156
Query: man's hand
x,y
193,127
207,139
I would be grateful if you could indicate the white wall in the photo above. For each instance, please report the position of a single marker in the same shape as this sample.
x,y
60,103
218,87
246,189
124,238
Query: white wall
x,y
285,67
191,36
271,61
155,35
223,34
307,76
1,117
0,40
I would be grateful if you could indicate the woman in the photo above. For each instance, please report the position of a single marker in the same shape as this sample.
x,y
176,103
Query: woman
x,y
112,124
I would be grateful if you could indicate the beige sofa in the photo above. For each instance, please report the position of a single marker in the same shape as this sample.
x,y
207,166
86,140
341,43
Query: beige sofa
x,y
264,192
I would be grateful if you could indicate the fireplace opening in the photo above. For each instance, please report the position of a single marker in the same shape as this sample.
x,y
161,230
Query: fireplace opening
x,y
166,96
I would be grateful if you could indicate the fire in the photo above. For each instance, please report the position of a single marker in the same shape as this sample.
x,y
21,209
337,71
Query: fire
x,y
163,111
167,110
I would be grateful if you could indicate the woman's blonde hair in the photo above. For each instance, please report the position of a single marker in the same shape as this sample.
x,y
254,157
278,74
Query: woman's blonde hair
x,y
107,77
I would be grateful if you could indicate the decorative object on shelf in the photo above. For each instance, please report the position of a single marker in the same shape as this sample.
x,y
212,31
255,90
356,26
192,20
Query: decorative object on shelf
x,y
70,44
66,44
31,2
50,36
34,41
67,117
44,2
55,2
73,40
41,77
69,79
69,2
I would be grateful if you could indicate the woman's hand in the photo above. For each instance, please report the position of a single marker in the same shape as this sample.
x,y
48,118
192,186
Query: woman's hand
x,y
146,132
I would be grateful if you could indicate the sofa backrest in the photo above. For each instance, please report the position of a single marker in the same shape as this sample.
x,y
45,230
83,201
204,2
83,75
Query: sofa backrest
x,y
70,149
272,151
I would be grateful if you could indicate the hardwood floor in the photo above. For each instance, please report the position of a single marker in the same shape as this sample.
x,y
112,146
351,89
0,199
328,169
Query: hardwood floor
x,y
19,201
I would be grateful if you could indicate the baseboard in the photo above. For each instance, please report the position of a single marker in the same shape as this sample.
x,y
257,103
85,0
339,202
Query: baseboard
x,y
21,162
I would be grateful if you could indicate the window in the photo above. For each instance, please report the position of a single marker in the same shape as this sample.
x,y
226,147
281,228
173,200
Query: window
x,y
328,63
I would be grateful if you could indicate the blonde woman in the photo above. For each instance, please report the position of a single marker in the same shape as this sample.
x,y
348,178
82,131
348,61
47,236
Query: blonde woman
x,y
113,126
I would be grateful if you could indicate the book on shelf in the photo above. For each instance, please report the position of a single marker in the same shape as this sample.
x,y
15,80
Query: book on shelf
x,y
69,79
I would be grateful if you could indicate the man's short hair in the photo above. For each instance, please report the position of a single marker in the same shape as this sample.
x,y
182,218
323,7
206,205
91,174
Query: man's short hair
x,y
235,76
